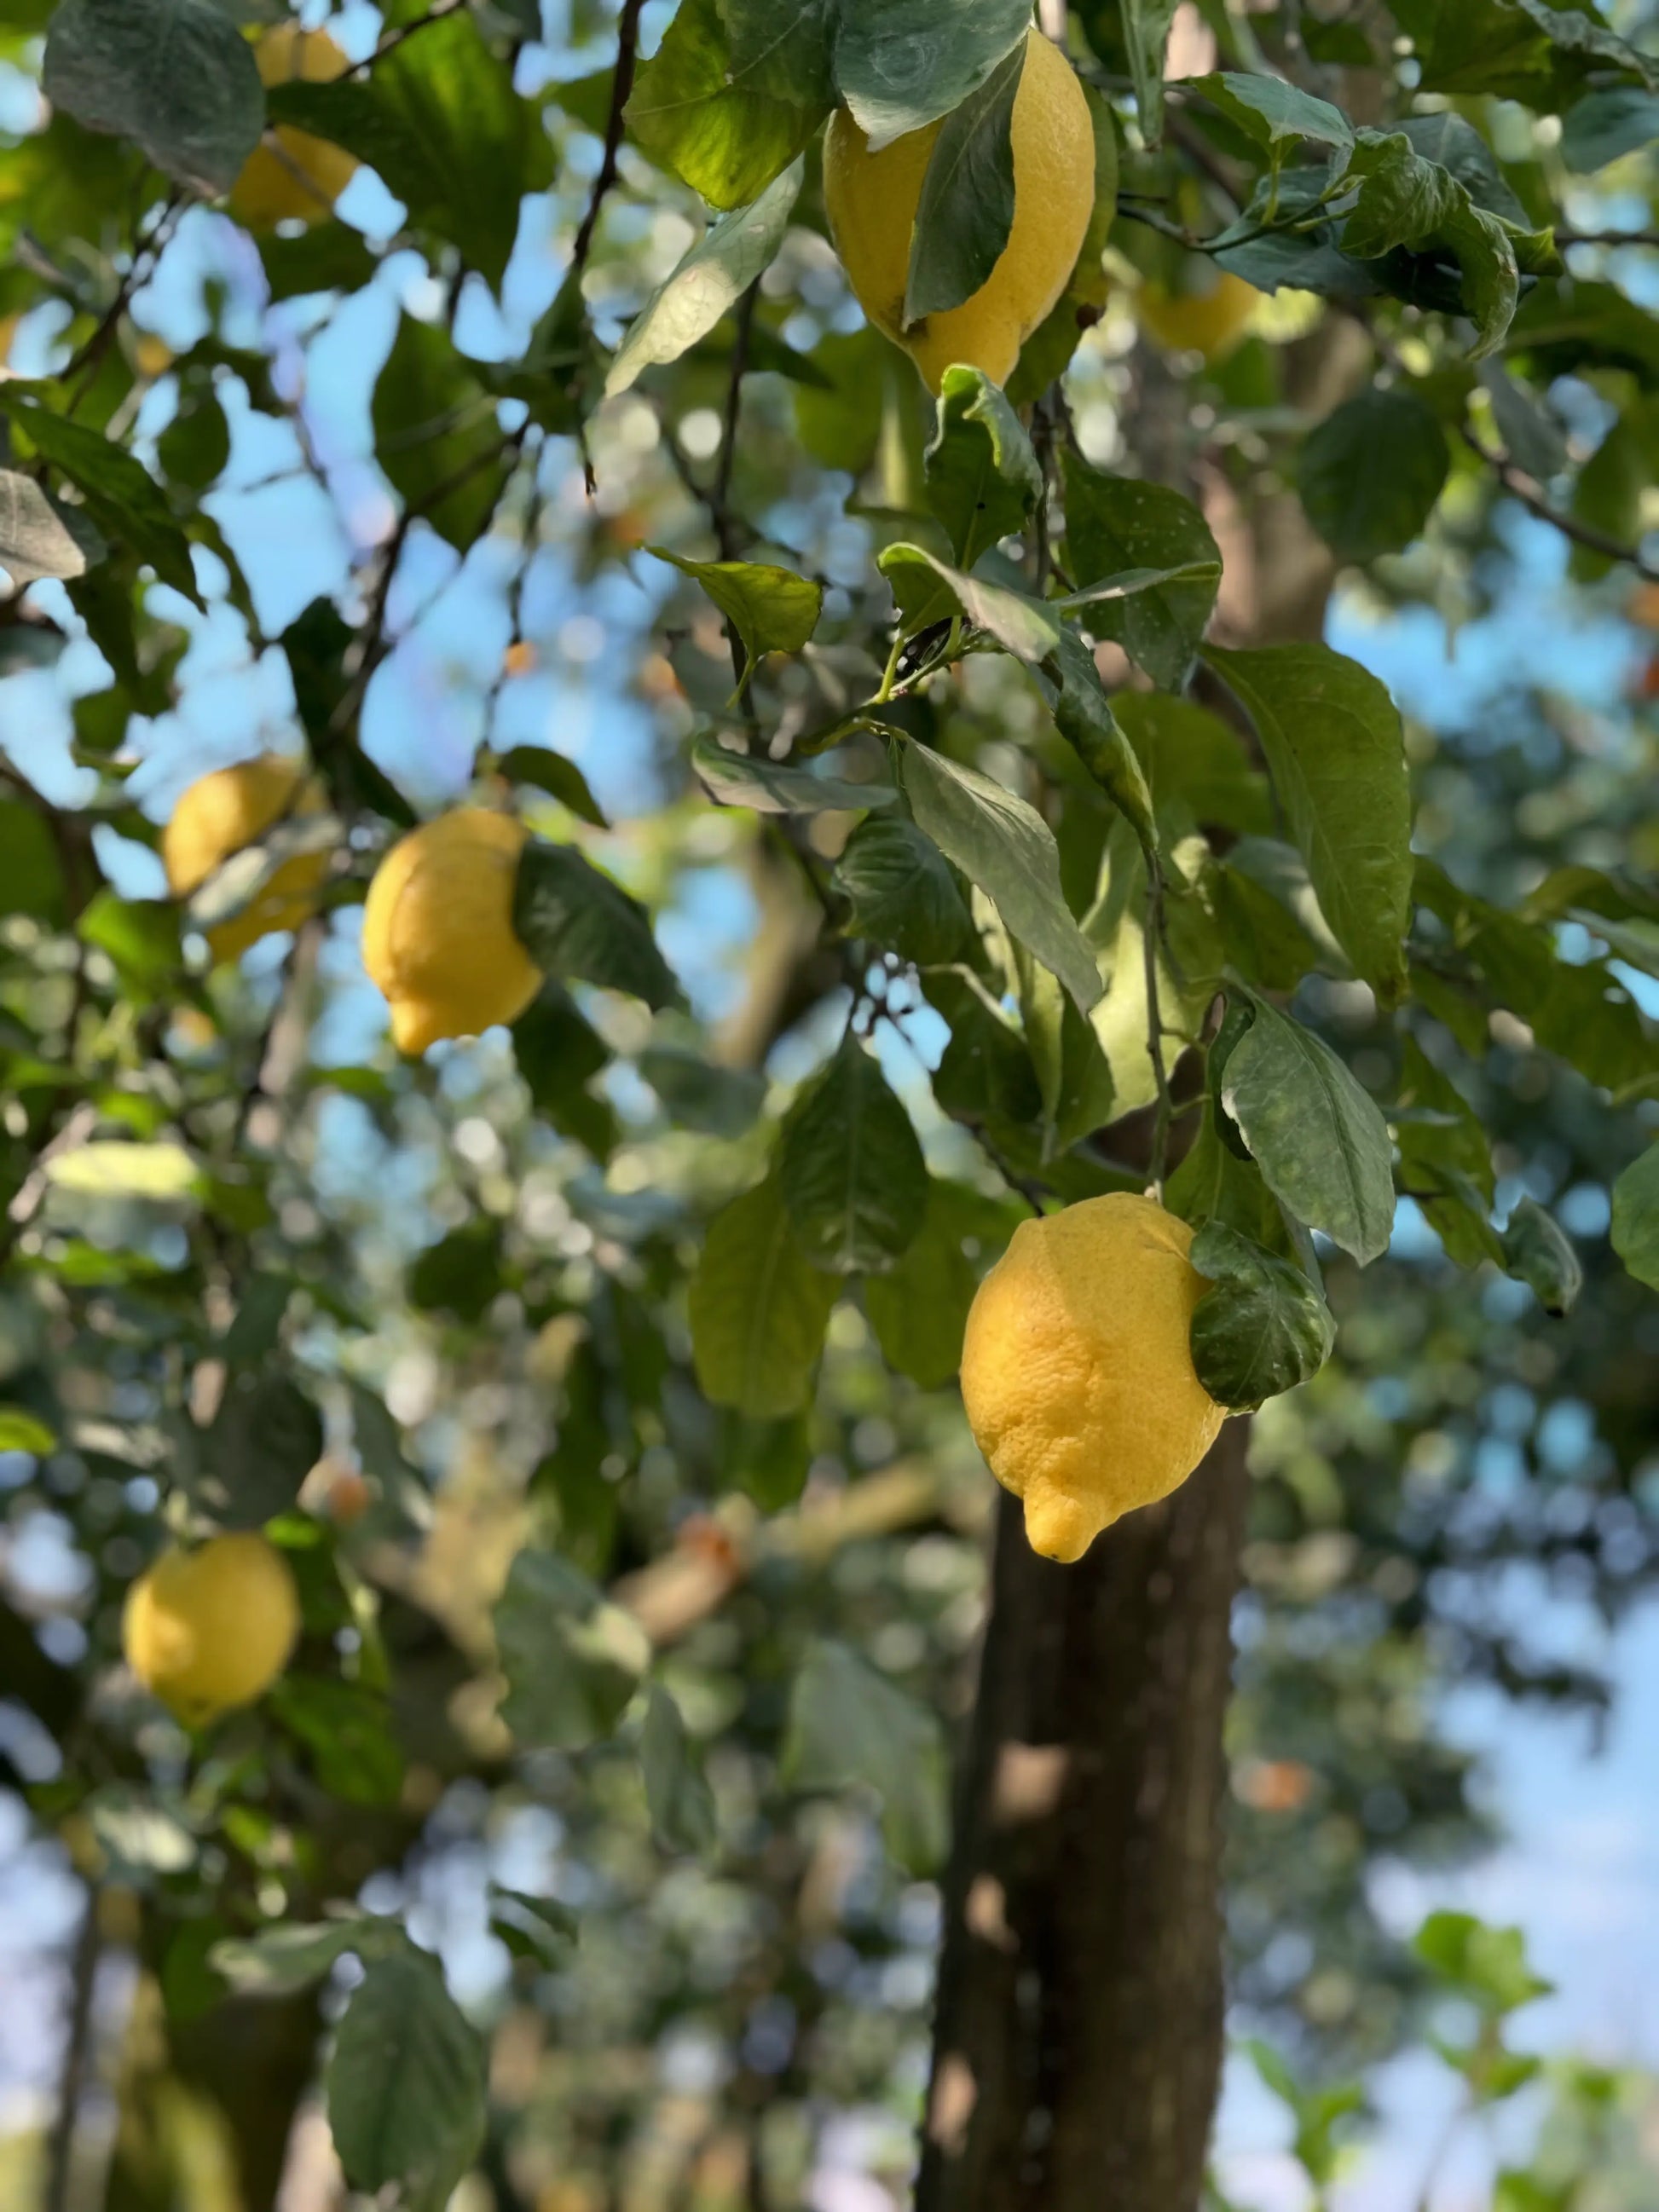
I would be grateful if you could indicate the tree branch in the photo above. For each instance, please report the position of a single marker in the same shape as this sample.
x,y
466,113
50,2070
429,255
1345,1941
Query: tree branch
x,y
627,38
1521,486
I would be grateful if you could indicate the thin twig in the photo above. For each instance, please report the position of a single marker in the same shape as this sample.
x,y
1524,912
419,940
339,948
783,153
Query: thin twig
x,y
725,525
1566,238
1521,486
628,39
394,39
146,252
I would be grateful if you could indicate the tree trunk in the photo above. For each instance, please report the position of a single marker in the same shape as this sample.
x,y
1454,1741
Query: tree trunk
x,y
1079,2028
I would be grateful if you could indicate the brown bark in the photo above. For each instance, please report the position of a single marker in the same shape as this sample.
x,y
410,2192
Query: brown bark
x,y
1077,2041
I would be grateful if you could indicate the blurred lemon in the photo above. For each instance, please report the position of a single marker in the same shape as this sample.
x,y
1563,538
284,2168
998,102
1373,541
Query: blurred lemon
x,y
211,1629
1076,1370
223,813
871,201
1211,322
291,174
438,935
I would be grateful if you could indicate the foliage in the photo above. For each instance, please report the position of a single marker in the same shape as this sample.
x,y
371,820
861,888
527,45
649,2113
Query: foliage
x,y
954,833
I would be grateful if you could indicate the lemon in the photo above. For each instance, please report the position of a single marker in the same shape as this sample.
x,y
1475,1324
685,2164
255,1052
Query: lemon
x,y
1075,1372
290,173
210,1629
871,202
1210,322
437,934
223,813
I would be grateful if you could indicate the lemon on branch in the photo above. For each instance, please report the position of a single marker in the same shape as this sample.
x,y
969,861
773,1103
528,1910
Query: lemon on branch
x,y
1076,1371
872,200
437,934
212,1628
1211,318
223,813
293,174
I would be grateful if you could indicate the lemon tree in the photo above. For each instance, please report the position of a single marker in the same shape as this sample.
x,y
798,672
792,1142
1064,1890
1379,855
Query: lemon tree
x,y
721,809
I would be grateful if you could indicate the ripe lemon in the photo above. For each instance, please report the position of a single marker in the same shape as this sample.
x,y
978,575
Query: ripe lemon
x,y
223,813
1211,322
291,173
871,202
1076,1373
437,934
210,1629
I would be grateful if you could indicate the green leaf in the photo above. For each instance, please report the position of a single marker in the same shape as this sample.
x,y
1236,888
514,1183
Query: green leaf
x,y
1073,1073
901,64
39,537
405,2082
1318,1137
22,1431
286,1957
461,1273
850,1726
141,936
158,1172
1532,437
715,119
1487,1964
1605,125
1006,848
681,1803
1370,473
919,1308
1406,200
772,787
572,1662
266,1438
1118,523
1195,765
574,922
1274,113
1443,1152
1084,717
711,278
1332,740
560,778
1636,1217
175,77
966,211
121,496
981,474
326,257
31,865
850,1168
785,46
768,1461
901,892
772,610
436,435
534,1926
438,119
1147,33
1263,1329
1538,1253
1450,139
926,589
758,1309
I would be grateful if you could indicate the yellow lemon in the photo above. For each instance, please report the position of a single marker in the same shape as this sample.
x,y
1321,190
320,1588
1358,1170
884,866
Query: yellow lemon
x,y
1075,1372
210,1629
1211,322
438,935
291,173
871,202
223,813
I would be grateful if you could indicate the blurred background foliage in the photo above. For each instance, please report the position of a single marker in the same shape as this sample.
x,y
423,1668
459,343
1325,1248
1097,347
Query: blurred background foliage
x,y
480,1280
